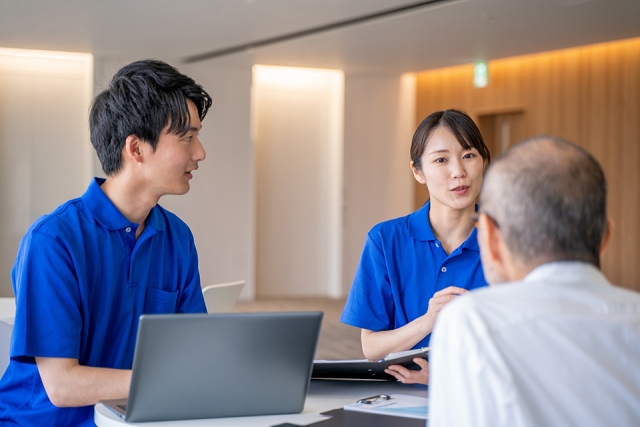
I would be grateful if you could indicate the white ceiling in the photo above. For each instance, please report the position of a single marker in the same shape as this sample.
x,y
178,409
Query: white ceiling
x,y
448,33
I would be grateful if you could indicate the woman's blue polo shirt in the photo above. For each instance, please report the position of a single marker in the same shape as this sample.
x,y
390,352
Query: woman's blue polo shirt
x,y
81,281
402,266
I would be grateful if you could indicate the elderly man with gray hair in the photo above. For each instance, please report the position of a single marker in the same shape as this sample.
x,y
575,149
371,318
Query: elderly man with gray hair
x,y
553,343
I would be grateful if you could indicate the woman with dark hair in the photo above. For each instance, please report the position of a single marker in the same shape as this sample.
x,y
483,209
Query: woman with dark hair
x,y
412,266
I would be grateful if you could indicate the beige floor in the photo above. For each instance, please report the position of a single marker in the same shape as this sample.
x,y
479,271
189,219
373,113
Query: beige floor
x,y
337,340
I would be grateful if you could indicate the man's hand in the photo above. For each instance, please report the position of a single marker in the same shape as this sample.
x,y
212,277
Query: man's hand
x,y
407,376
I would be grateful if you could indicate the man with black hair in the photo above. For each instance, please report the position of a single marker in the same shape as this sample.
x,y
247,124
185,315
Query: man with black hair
x,y
85,272
551,342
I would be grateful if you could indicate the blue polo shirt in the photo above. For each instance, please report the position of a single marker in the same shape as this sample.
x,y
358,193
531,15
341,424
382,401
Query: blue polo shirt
x,y
402,266
81,281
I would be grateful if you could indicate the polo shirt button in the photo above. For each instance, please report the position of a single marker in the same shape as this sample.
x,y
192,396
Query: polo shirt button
x,y
128,229
437,245
443,269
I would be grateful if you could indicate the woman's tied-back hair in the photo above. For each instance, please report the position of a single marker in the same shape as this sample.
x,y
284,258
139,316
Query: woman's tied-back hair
x,y
142,98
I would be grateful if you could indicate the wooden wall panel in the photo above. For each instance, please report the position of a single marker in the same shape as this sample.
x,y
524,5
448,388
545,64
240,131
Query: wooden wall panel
x,y
589,95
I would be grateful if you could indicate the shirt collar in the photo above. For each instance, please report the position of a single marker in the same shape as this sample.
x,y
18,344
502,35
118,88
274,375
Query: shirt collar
x,y
568,272
472,240
419,225
106,213
420,228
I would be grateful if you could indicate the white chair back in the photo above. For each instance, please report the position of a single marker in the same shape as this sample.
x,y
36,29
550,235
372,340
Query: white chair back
x,y
5,345
222,297
7,310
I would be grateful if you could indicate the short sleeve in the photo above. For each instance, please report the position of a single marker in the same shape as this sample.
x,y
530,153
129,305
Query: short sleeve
x,y
370,304
48,320
191,300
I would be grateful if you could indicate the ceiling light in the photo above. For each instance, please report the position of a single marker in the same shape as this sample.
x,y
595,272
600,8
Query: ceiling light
x,y
480,74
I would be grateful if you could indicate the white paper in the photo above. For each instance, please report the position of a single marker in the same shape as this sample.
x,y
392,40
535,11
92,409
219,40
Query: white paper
x,y
400,405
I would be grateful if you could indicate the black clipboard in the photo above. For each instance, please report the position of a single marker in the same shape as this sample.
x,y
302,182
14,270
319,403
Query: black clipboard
x,y
365,369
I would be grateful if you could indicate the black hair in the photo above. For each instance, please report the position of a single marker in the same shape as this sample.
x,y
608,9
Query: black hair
x,y
142,99
460,125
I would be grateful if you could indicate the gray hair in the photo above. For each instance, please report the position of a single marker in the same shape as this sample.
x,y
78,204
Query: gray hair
x,y
548,197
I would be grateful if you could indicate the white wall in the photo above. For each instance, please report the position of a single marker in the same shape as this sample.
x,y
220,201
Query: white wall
x,y
298,118
220,208
45,155
379,121
378,184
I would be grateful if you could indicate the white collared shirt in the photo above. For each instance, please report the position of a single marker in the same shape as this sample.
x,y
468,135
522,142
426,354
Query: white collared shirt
x,y
560,348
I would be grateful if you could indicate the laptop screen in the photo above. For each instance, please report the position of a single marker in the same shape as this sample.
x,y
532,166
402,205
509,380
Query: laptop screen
x,y
190,366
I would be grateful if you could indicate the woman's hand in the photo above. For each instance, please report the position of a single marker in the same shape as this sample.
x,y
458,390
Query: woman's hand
x,y
439,300
377,345
407,376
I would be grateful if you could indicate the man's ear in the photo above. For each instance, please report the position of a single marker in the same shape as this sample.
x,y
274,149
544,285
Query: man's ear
x,y
133,149
493,248
417,174
607,236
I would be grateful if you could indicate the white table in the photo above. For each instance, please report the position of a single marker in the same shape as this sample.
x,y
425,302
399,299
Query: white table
x,y
323,395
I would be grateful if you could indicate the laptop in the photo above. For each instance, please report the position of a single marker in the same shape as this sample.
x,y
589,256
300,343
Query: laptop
x,y
189,366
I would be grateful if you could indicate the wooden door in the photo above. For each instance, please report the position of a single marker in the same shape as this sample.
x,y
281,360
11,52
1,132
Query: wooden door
x,y
500,131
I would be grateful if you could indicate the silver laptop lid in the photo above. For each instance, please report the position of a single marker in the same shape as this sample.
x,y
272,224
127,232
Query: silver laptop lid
x,y
221,365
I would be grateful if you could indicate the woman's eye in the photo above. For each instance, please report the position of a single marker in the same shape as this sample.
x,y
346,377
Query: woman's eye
x,y
469,156
187,138
440,160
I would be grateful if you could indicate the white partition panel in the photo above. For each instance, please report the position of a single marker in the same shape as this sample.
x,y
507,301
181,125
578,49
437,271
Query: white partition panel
x,y
298,131
378,183
45,153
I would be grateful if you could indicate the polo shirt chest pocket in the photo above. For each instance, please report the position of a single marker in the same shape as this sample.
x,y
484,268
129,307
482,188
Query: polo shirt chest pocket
x,y
158,301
